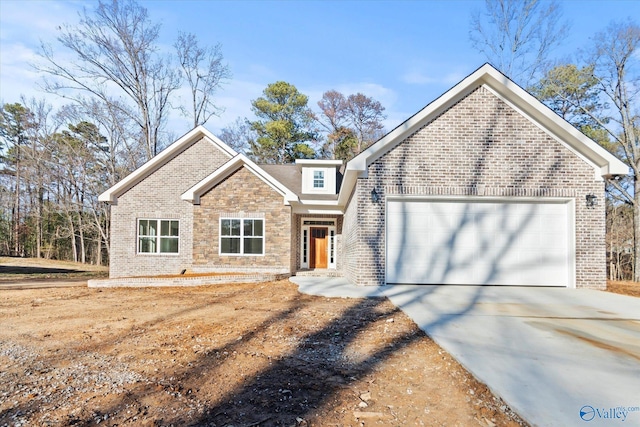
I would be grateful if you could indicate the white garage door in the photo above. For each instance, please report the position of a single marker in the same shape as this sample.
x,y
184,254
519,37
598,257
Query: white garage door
x,y
479,242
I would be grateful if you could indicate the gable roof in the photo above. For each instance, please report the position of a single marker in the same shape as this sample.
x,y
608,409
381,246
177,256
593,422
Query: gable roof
x,y
604,163
112,194
193,194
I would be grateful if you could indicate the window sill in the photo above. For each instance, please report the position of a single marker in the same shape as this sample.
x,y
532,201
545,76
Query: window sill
x,y
241,255
155,254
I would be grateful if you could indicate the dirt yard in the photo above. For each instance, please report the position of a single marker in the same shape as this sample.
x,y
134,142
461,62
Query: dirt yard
x,y
226,355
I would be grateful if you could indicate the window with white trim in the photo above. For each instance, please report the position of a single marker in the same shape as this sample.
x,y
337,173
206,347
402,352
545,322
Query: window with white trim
x,y
318,179
158,236
241,236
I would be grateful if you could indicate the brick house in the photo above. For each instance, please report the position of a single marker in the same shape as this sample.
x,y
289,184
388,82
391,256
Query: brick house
x,y
485,185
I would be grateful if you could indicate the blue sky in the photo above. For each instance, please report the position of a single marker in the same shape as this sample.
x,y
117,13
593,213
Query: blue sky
x,y
402,53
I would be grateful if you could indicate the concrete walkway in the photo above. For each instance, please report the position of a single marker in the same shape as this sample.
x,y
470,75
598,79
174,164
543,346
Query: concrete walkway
x,y
558,357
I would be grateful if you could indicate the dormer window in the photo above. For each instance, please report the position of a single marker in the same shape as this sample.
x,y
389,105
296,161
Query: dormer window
x,y
318,179
318,176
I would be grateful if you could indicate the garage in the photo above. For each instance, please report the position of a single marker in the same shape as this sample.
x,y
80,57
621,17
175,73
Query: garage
x,y
480,241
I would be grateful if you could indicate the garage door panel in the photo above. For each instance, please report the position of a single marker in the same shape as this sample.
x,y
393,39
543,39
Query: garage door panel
x,y
461,242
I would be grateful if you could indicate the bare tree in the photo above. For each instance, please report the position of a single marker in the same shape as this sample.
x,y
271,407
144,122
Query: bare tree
x,y
365,116
620,241
37,158
351,123
605,95
238,135
333,106
617,68
205,72
517,36
332,120
116,52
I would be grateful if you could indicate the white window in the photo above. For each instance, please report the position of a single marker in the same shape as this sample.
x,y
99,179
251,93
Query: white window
x,y
158,236
318,179
241,236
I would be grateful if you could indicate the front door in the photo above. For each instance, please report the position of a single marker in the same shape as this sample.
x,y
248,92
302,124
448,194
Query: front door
x,y
318,246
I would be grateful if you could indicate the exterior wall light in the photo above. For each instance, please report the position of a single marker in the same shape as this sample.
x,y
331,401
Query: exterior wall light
x,y
375,197
591,200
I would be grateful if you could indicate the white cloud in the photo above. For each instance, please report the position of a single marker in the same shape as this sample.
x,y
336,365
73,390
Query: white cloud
x,y
37,19
23,26
18,77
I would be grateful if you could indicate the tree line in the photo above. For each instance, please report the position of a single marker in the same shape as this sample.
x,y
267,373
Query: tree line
x,y
121,88
54,164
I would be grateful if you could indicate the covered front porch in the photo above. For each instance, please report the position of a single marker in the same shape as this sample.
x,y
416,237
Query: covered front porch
x,y
318,243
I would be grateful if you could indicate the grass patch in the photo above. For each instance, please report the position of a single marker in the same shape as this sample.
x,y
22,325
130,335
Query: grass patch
x,y
22,269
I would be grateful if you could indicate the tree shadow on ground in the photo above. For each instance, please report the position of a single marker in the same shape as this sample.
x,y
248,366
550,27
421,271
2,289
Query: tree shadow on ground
x,y
309,377
283,387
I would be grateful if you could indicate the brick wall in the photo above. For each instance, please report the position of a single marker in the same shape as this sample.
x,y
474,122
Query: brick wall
x,y
479,147
350,239
158,197
242,194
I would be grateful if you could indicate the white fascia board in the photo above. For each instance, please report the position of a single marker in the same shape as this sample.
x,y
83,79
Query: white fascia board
x,y
193,194
289,196
349,180
605,163
111,195
413,123
325,163
217,141
358,166
318,202
298,208
319,162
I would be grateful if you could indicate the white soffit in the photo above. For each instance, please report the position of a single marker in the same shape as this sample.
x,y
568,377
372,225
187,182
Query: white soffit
x,y
605,162
112,194
193,194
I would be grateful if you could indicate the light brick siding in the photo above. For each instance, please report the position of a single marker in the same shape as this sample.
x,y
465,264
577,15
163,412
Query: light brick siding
x,y
298,237
350,238
242,194
158,197
479,147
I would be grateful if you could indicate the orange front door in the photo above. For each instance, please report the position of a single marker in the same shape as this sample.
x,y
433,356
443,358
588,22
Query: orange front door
x,y
318,255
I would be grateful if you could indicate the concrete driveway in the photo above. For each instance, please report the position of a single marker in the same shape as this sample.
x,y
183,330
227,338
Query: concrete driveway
x,y
558,357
